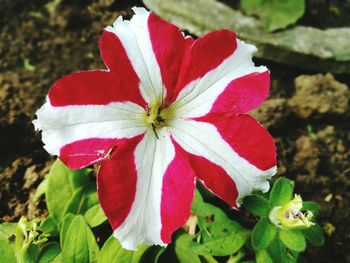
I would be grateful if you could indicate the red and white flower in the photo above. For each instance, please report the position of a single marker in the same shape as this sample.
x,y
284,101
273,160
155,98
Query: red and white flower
x,y
168,111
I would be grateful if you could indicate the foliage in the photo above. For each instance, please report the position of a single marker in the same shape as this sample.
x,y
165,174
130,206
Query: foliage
x,y
275,14
75,216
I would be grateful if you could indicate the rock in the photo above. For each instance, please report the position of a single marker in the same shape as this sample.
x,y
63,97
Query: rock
x,y
271,112
319,95
297,46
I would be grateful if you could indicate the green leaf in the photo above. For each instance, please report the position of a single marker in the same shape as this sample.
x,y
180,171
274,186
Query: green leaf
x,y
64,227
31,255
275,14
256,205
76,203
62,183
94,216
49,252
183,249
49,226
262,256
112,252
7,230
281,192
7,254
314,235
79,242
279,253
293,239
312,206
263,234
220,236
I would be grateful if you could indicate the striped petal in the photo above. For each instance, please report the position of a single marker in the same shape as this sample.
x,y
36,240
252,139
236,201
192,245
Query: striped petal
x,y
249,161
229,83
158,200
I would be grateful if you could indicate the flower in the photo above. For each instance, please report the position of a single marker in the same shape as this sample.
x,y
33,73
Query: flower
x,y
289,215
168,111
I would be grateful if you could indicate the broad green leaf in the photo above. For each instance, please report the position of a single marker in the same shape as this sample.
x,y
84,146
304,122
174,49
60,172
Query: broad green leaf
x,y
256,205
293,239
281,192
220,235
183,249
312,206
49,226
279,253
112,252
49,252
314,235
275,14
76,203
262,256
94,216
263,234
31,255
79,242
64,227
7,230
7,254
62,183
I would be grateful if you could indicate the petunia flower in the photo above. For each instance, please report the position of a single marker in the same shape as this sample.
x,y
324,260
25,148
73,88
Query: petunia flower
x,y
169,110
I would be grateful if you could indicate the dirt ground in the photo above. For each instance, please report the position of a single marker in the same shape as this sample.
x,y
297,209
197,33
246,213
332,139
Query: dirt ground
x,y
307,113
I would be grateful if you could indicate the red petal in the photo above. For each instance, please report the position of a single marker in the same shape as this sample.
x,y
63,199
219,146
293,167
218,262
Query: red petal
x,y
116,182
177,194
246,137
83,153
205,54
95,87
169,45
243,94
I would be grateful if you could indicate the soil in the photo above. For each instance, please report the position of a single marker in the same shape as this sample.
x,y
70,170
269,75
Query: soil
x,y
307,113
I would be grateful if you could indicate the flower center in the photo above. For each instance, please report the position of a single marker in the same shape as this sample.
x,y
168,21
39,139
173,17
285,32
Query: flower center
x,y
158,115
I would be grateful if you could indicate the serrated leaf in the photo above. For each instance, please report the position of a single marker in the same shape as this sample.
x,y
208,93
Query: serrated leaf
x,y
314,235
293,239
256,205
112,252
281,192
183,249
275,14
263,234
94,216
49,252
62,183
79,242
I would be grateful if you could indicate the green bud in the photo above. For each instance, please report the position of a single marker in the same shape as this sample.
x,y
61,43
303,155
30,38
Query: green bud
x,y
289,215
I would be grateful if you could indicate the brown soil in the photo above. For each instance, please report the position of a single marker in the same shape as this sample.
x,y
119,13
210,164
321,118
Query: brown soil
x,y
40,43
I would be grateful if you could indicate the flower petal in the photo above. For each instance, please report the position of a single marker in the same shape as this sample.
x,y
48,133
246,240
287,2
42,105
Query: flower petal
x,y
135,38
235,85
77,130
169,45
230,147
96,87
159,190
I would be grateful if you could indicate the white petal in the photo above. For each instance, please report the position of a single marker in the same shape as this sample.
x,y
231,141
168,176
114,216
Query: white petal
x,y
143,223
134,36
203,139
64,125
198,97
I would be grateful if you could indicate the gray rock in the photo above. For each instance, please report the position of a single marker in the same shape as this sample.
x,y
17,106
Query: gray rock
x,y
305,47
